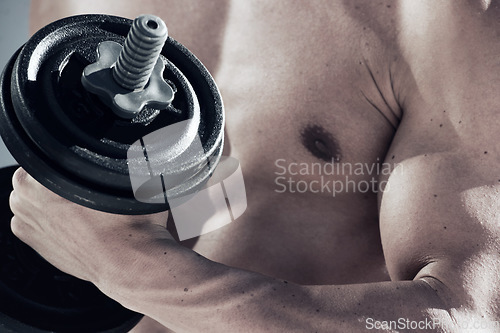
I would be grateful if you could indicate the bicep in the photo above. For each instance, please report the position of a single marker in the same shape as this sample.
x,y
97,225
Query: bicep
x,y
440,211
441,206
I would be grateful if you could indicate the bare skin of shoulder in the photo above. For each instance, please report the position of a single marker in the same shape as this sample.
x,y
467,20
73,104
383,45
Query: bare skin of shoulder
x,y
397,95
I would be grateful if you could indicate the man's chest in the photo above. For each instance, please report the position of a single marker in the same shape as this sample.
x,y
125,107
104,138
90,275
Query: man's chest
x,y
299,98
297,86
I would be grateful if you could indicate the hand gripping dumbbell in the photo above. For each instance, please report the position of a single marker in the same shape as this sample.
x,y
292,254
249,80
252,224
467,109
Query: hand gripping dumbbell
x,y
84,108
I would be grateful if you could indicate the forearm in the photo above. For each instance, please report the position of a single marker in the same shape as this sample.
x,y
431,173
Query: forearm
x,y
189,293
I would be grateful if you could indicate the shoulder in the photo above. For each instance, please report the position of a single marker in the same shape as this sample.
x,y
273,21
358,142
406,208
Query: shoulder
x,y
449,90
451,48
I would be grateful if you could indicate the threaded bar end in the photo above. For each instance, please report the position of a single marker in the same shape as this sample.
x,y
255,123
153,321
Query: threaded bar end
x,y
140,52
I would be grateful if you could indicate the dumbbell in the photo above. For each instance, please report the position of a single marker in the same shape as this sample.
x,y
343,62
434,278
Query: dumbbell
x,y
110,114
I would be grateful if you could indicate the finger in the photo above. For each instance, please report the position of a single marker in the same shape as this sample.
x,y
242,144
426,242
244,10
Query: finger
x,y
30,190
13,200
19,178
21,230
15,203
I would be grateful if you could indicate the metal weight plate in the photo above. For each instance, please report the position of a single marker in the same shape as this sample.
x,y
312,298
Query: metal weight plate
x,y
36,297
70,141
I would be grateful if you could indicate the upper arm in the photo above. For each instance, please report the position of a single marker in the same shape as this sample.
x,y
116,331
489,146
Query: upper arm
x,y
440,211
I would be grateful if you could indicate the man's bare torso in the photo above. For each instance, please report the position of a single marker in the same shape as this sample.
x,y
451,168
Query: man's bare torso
x,y
296,88
304,85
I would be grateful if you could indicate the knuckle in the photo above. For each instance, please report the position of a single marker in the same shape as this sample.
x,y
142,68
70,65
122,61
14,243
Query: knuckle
x,y
13,201
19,178
17,227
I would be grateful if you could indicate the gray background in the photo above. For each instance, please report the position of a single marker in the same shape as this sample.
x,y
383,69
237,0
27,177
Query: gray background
x,y
13,34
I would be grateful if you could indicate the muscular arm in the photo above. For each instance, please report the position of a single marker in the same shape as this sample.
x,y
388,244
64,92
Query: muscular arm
x,y
197,295
439,216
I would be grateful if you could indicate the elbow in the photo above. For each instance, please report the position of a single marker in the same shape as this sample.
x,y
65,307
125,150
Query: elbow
x,y
459,307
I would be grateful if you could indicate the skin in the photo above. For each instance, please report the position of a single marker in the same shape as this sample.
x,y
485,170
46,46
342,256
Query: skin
x,y
408,83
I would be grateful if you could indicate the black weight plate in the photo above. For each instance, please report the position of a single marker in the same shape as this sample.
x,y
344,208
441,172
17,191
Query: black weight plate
x,y
70,141
37,297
